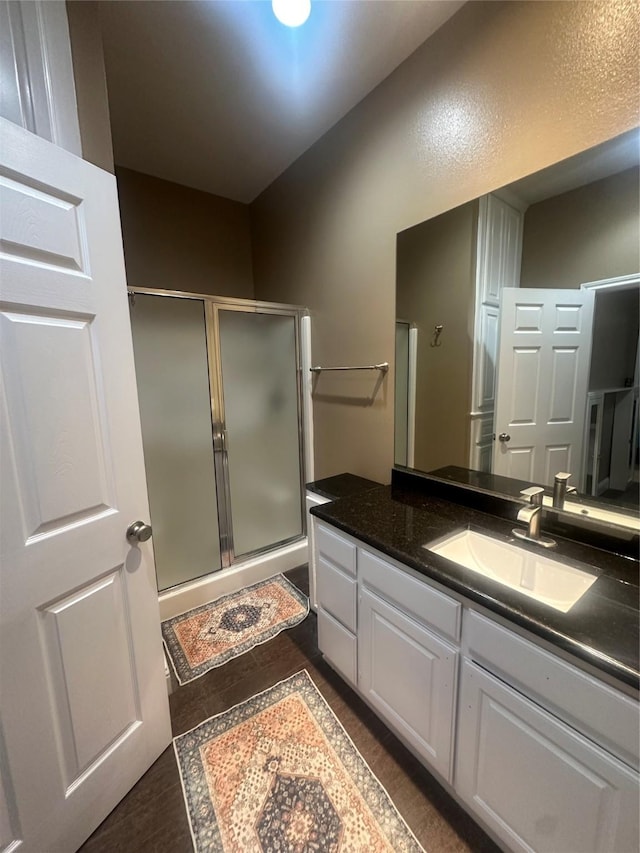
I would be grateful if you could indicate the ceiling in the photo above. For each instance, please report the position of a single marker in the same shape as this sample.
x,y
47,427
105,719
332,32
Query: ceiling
x,y
217,95
617,154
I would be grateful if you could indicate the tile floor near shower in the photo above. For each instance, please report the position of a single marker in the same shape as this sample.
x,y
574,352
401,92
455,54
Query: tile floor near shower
x,y
152,817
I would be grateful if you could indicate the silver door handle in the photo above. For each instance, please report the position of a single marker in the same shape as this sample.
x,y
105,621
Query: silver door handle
x,y
139,532
504,437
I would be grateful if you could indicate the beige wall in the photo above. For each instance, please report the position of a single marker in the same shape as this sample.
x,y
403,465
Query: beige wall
x,y
435,285
91,83
587,234
177,238
502,90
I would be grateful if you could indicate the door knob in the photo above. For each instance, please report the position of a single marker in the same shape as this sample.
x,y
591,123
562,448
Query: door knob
x,y
138,532
504,437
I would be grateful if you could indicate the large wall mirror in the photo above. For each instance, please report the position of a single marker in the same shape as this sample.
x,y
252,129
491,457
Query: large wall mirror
x,y
517,318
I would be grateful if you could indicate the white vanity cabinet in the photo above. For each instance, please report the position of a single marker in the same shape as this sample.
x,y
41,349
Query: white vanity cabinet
x,y
394,638
549,766
406,670
409,676
543,754
536,782
336,600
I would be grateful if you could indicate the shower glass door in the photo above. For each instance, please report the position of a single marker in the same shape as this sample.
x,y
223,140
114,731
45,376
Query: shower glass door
x,y
219,394
261,447
170,347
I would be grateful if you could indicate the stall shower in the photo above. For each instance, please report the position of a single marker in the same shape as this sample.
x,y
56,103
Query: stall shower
x,y
220,404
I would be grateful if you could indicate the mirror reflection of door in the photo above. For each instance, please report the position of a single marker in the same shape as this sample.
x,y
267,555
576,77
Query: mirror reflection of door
x,y
567,387
544,355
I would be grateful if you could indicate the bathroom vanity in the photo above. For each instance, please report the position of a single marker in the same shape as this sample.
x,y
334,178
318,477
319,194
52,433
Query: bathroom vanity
x,y
321,492
527,714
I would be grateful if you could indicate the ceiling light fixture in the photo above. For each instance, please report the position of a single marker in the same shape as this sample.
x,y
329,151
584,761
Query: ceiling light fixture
x,y
291,13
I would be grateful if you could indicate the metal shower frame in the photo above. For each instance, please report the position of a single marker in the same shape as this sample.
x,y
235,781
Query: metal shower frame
x,y
212,306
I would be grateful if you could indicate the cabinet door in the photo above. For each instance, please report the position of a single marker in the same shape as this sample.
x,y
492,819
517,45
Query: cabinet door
x,y
536,782
408,675
500,248
486,355
481,449
498,264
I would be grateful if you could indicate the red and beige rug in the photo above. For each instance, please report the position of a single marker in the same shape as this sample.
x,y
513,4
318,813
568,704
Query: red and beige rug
x,y
279,773
214,633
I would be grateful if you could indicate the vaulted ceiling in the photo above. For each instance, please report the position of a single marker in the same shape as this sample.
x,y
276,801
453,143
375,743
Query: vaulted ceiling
x,y
217,95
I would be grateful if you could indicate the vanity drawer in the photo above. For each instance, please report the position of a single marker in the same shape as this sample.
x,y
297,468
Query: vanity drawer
x,y
338,645
609,717
336,593
413,596
336,549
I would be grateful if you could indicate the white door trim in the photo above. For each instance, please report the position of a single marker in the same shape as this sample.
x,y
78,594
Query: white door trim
x,y
307,398
622,282
40,93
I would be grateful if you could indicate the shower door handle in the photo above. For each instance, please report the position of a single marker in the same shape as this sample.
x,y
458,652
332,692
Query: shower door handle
x,y
219,438
221,462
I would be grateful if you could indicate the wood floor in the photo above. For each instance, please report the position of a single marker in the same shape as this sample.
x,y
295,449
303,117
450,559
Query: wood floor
x,y
152,817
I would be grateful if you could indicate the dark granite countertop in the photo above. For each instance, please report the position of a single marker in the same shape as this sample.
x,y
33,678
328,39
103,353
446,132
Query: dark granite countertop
x,y
341,486
601,628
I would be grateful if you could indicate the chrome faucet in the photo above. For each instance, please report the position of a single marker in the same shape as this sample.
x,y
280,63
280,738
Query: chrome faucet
x,y
561,489
532,515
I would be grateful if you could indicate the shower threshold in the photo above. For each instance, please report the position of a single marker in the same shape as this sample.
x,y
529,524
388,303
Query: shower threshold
x,y
192,594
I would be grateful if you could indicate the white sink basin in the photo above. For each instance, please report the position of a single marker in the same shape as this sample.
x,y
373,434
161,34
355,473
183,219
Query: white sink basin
x,y
550,581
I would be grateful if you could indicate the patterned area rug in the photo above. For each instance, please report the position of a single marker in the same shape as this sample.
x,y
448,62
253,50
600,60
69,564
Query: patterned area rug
x,y
279,774
214,633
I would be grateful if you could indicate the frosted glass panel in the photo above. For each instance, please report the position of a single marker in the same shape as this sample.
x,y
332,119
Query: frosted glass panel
x,y
258,361
170,348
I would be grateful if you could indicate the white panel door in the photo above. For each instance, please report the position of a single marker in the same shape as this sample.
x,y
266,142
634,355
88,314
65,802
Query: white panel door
x,y
84,702
544,358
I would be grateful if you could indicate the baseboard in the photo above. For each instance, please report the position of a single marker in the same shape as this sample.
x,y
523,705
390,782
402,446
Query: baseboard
x,y
190,595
